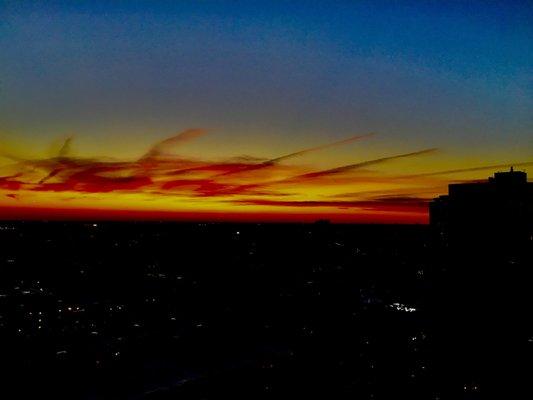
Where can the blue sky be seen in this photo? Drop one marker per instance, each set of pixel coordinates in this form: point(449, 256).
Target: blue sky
point(273, 74)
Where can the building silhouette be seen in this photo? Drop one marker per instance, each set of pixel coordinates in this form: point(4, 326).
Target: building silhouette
point(497, 212)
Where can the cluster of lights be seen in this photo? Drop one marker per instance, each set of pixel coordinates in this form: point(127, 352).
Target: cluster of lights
point(402, 307)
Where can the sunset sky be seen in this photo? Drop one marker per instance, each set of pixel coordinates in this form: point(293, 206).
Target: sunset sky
point(258, 110)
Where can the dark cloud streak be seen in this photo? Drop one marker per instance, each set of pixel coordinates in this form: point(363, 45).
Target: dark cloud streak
point(163, 148)
point(472, 169)
point(274, 161)
point(352, 167)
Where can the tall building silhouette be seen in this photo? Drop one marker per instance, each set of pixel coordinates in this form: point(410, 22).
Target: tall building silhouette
point(497, 212)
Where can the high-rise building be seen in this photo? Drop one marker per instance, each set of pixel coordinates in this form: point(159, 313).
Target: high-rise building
point(497, 212)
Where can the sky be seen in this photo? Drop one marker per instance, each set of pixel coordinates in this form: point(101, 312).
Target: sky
point(353, 111)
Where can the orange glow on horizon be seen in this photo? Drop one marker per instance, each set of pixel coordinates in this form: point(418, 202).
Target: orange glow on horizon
point(161, 185)
point(87, 214)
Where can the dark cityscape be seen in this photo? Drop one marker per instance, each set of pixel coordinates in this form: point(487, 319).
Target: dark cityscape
point(247, 200)
point(159, 310)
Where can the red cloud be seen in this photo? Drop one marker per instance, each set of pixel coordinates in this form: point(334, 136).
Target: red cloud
point(158, 173)
point(397, 205)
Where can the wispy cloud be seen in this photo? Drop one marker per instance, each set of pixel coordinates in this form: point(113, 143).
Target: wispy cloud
point(64, 151)
point(268, 183)
point(351, 167)
point(165, 147)
point(471, 169)
point(276, 160)
point(399, 204)
point(319, 148)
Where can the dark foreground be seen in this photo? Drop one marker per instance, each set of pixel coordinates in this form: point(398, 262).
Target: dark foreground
point(205, 311)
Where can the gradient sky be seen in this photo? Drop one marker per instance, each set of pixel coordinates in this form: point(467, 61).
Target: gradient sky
point(239, 84)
